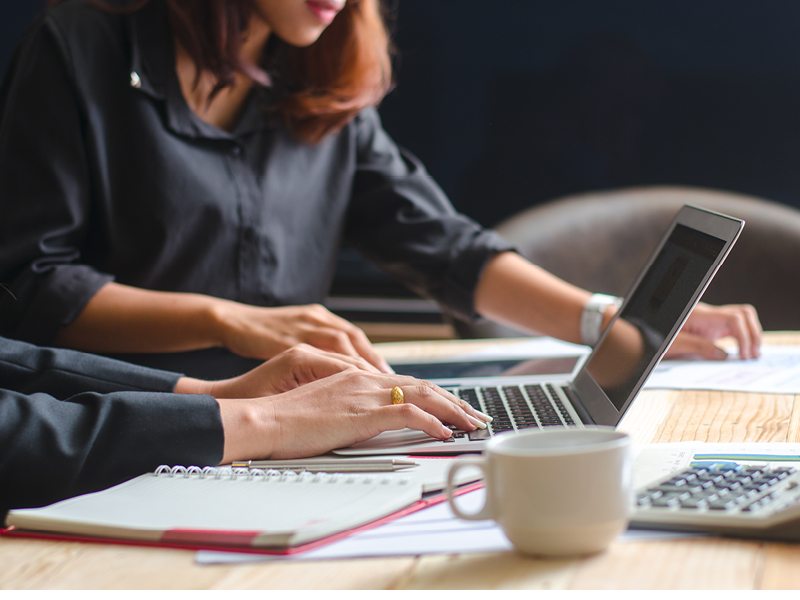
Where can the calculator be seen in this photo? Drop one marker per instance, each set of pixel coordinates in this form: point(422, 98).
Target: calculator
point(752, 501)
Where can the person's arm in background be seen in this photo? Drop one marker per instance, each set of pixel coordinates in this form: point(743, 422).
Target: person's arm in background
point(122, 319)
point(403, 221)
point(516, 292)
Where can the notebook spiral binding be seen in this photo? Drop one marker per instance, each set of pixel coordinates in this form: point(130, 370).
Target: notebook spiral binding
point(181, 472)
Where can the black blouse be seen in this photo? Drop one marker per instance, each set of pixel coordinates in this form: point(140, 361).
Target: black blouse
point(106, 173)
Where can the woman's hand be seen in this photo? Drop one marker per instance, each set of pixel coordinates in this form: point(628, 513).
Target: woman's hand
point(336, 412)
point(708, 324)
point(290, 369)
point(258, 332)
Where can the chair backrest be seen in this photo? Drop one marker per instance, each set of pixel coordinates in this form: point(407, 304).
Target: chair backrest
point(601, 240)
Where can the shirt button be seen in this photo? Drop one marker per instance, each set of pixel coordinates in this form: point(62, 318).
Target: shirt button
point(236, 150)
point(136, 81)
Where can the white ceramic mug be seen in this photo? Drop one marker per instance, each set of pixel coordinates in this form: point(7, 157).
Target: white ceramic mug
point(554, 492)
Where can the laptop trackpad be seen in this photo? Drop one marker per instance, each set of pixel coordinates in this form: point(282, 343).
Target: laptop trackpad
point(394, 438)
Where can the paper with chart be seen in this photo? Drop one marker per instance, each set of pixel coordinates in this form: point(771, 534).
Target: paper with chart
point(777, 371)
point(656, 461)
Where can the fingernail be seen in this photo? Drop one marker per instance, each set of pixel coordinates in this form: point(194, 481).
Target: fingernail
point(486, 417)
point(477, 422)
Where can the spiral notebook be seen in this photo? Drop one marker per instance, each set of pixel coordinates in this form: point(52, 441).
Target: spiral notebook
point(223, 508)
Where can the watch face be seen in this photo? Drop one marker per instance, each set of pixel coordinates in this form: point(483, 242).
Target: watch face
point(592, 316)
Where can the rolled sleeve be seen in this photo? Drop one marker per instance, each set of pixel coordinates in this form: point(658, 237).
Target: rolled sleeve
point(403, 221)
point(46, 196)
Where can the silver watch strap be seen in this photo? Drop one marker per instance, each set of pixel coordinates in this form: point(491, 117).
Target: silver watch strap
point(592, 316)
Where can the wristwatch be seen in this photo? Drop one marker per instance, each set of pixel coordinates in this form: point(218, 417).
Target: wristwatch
point(592, 316)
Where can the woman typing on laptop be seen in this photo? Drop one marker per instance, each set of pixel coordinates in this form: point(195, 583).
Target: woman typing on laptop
point(71, 423)
point(178, 177)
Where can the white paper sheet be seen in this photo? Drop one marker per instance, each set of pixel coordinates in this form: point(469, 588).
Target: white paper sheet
point(434, 530)
point(777, 371)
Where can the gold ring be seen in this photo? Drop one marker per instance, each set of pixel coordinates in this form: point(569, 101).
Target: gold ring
point(397, 395)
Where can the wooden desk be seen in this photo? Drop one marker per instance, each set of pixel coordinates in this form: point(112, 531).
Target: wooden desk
point(657, 416)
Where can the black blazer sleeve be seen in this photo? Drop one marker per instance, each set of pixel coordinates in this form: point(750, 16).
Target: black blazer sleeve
point(27, 368)
point(82, 435)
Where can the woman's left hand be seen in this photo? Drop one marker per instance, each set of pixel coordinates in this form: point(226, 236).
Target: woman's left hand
point(708, 323)
point(290, 369)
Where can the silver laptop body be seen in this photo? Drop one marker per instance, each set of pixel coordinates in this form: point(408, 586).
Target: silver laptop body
point(607, 382)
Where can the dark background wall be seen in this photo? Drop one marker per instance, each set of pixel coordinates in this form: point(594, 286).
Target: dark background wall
point(514, 102)
point(14, 17)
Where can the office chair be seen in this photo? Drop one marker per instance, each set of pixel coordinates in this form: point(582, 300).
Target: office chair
point(601, 240)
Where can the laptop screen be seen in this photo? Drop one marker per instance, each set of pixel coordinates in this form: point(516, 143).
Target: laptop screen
point(648, 317)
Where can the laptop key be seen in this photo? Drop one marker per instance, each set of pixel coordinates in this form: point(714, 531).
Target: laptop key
point(471, 397)
point(500, 429)
point(479, 434)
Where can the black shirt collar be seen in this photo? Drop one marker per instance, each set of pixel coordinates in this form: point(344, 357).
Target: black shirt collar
point(152, 72)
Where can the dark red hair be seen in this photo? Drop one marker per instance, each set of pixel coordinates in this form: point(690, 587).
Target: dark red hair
point(321, 86)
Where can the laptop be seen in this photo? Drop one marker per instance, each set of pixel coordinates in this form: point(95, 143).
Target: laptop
point(607, 382)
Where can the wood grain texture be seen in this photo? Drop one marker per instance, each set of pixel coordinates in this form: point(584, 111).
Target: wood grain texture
point(780, 570)
point(710, 563)
point(656, 416)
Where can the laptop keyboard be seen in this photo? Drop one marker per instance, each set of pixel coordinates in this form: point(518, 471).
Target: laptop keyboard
point(515, 407)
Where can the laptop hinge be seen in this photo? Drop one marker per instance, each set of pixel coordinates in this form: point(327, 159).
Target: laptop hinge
point(586, 418)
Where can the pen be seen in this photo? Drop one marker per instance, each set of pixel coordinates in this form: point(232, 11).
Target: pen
point(333, 465)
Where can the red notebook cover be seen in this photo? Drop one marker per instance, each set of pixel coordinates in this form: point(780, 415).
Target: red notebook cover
point(186, 539)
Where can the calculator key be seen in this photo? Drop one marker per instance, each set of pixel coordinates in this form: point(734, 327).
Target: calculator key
point(693, 503)
point(677, 488)
point(676, 481)
point(721, 504)
point(698, 471)
point(665, 502)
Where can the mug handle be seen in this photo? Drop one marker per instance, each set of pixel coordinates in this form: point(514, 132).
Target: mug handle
point(485, 511)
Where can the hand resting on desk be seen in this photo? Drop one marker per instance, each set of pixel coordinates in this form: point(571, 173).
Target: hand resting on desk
point(708, 323)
